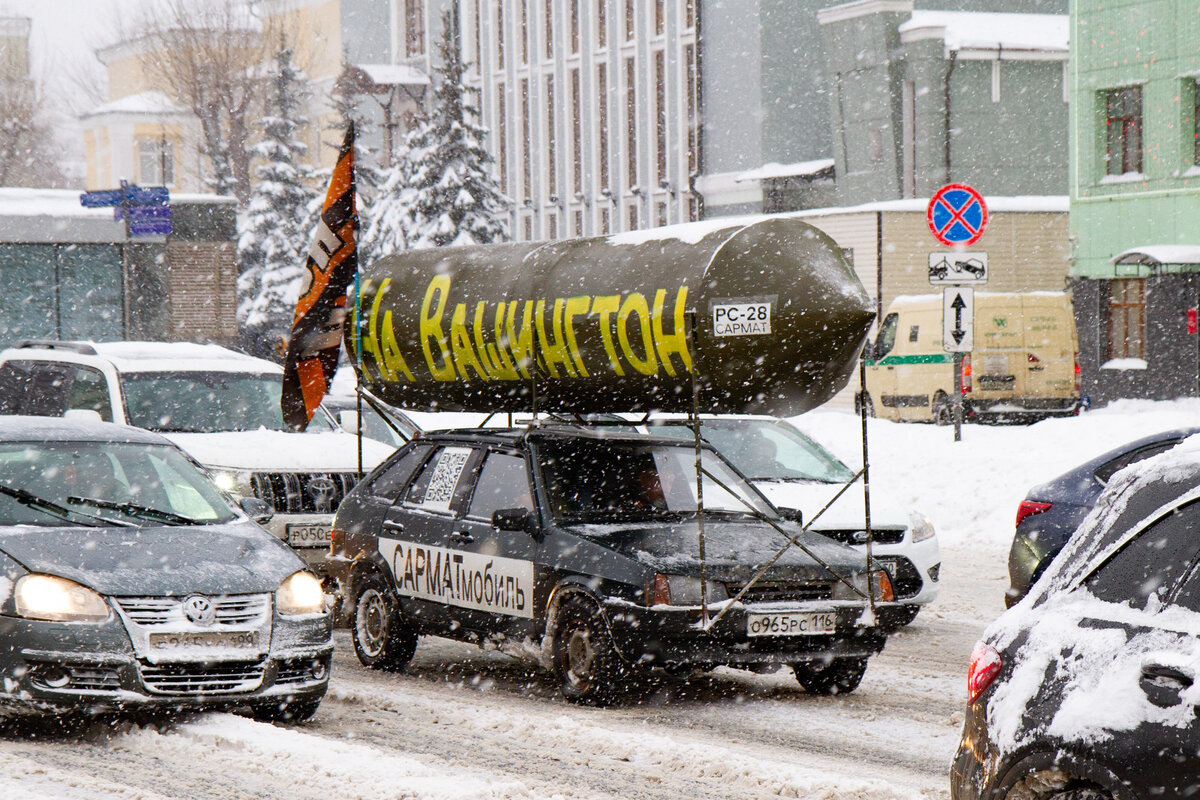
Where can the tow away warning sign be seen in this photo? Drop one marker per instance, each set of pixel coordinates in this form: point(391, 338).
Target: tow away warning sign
point(741, 319)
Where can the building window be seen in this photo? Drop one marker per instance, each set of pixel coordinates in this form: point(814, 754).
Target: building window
point(526, 149)
point(549, 30)
point(414, 28)
point(478, 17)
point(630, 20)
point(660, 211)
point(524, 31)
point(693, 208)
point(1196, 121)
point(576, 135)
point(1124, 124)
point(601, 24)
point(689, 14)
point(689, 62)
point(1126, 318)
point(552, 225)
point(660, 115)
point(528, 226)
point(633, 217)
point(551, 149)
point(631, 139)
point(502, 135)
point(602, 110)
point(660, 17)
point(578, 216)
point(156, 163)
point(574, 5)
point(500, 37)
point(908, 138)
point(605, 221)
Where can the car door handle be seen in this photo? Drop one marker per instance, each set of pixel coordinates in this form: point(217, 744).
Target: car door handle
point(1163, 685)
point(393, 526)
point(462, 536)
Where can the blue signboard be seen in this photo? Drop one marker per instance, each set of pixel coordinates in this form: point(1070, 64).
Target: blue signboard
point(101, 199)
point(129, 193)
point(149, 220)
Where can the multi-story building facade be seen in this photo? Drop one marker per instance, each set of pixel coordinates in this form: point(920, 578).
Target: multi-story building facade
point(591, 109)
point(1135, 197)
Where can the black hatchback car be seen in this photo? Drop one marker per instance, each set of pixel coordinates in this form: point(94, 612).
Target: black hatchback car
point(1089, 687)
point(1052, 511)
point(588, 541)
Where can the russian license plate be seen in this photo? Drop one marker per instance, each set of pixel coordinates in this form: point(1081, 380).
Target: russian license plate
point(308, 535)
point(219, 640)
point(791, 623)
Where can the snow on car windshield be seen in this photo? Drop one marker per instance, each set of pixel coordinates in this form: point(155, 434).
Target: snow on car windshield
point(596, 481)
point(206, 402)
point(63, 483)
point(765, 450)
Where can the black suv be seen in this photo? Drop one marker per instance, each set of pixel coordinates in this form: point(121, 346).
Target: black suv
point(588, 540)
point(1089, 687)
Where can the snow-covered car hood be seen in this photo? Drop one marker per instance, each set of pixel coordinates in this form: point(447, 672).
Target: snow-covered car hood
point(733, 551)
point(846, 514)
point(238, 558)
point(280, 451)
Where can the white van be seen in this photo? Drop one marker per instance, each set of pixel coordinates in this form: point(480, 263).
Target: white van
point(1024, 366)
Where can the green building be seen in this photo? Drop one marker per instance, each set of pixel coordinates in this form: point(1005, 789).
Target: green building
point(1135, 196)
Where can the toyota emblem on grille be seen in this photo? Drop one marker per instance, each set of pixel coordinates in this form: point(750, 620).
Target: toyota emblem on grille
point(199, 610)
point(321, 490)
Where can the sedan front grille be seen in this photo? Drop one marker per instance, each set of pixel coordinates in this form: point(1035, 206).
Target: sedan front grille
point(232, 610)
point(859, 536)
point(784, 591)
point(302, 492)
point(193, 679)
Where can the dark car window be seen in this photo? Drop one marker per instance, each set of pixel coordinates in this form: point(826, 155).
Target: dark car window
point(887, 336)
point(88, 391)
point(38, 388)
point(1105, 471)
point(503, 483)
point(388, 482)
point(1187, 594)
point(1151, 562)
point(205, 402)
point(442, 480)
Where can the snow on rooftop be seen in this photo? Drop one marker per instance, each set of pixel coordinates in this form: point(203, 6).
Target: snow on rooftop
point(974, 30)
point(395, 74)
point(150, 102)
point(1156, 254)
point(47, 202)
point(797, 170)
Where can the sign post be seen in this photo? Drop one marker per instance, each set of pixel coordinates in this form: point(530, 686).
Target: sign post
point(146, 211)
point(957, 217)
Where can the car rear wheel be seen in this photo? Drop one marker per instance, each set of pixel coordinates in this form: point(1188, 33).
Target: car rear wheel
point(586, 660)
point(838, 676)
point(382, 639)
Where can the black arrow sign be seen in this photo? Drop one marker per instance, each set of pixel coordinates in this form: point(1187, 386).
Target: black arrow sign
point(958, 305)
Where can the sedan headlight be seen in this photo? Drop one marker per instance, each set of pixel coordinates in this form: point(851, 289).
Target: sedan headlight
point(300, 594)
point(55, 599)
point(681, 590)
point(882, 586)
point(234, 482)
point(922, 528)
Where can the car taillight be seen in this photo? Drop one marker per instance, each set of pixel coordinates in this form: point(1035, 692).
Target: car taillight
point(1032, 359)
point(1029, 508)
point(1078, 378)
point(660, 592)
point(985, 666)
point(966, 373)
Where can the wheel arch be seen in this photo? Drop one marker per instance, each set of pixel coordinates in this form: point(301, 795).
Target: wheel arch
point(1076, 765)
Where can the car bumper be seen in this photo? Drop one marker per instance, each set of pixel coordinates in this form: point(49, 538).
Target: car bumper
point(668, 637)
point(52, 668)
point(915, 568)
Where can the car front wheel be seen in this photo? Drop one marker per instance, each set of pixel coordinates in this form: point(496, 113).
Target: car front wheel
point(382, 639)
point(587, 663)
point(839, 676)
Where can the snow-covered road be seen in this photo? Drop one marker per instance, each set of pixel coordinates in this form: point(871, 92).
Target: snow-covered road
point(463, 723)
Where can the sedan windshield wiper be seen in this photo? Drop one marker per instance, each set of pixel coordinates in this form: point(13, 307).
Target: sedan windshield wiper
point(135, 510)
point(31, 500)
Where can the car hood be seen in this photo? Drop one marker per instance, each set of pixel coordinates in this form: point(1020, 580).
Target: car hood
point(281, 451)
point(238, 558)
point(733, 551)
point(845, 514)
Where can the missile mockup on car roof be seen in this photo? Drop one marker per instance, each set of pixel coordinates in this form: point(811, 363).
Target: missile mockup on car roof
point(768, 317)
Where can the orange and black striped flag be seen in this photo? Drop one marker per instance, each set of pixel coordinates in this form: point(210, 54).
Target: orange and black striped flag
point(332, 262)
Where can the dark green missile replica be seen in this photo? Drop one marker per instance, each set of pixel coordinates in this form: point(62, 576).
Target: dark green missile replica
point(766, 317)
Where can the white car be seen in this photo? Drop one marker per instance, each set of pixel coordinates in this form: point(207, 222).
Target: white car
point(219, 406)
point(794, 472)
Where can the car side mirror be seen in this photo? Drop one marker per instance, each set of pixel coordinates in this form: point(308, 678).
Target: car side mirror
point(792, 515)
point(257, 510)
point(514, 519)
point(348, 421)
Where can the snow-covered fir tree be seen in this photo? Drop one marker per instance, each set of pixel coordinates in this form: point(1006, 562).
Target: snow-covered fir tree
point(273, 231)
point(449, 194)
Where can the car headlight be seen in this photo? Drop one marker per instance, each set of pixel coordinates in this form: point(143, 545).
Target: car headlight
point(922, 528)
point(681, 590)
point(882, 586)
point(301, 593)
point(234, 482)
point(55, 599)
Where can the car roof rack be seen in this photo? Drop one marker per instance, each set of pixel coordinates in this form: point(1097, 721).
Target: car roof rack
point(83, 348)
